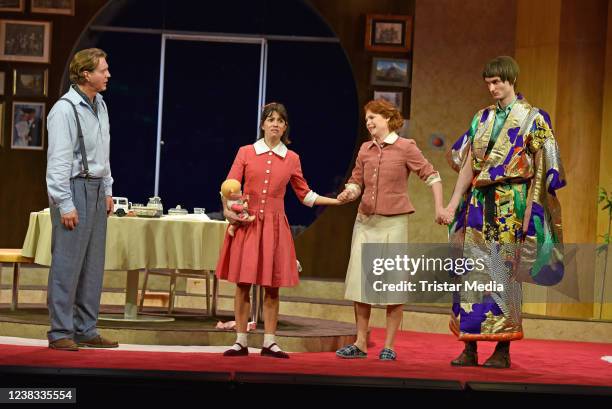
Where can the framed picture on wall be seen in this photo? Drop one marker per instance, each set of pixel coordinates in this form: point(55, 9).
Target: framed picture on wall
point(391, 72)
point(1, 123)
point(28, 130)
point(30, 82)
point(28, 41)
point(53, 7)
point(394, 97)
point(388, 33)
point(12, 5)
point(2, 78)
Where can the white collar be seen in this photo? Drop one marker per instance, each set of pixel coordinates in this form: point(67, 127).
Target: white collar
point(261, 147)
point(389, 139)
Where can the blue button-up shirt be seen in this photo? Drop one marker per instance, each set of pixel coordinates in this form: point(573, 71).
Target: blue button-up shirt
point(64, 155)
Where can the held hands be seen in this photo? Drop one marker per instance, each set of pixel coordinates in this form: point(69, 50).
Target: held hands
point(445, 215)
point(347, 195)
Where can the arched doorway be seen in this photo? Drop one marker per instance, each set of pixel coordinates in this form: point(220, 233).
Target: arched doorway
point(212, 90)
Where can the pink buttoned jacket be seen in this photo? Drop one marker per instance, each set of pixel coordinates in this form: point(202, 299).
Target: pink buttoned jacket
point(381, 173)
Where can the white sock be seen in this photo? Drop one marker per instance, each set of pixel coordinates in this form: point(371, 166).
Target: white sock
point(269, 339)
point(241, 338)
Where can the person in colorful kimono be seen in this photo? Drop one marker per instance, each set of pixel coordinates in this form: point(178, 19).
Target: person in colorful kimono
point(505, 211)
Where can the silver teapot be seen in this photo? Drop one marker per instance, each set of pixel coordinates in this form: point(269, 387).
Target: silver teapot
point(156, 203)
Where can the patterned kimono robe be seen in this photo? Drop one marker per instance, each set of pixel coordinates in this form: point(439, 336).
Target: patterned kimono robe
point(510, 217)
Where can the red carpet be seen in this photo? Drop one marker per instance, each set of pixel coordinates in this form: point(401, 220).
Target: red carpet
point(420, 356)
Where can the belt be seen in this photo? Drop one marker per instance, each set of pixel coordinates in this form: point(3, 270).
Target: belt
point(88, 177)
point(490, 209)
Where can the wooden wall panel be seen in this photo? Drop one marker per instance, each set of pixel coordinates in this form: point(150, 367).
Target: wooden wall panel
point(579, 108)
point(562, 71)
point(537, 53)
point(605, 169)
point(579, 121)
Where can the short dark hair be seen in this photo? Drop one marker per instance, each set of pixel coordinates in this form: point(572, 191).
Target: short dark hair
point(504, 67)
point(280, 109)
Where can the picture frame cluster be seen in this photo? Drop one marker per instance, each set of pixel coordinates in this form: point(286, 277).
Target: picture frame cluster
point(25, 52)
point(390, 76)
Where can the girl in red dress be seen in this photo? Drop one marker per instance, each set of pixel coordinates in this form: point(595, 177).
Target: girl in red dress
point(262, 251)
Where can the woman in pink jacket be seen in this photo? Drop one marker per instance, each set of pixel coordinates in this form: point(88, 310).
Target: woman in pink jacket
point(380, 176)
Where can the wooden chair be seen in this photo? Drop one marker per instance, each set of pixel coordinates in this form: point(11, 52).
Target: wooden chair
point(211, 305)
point(14, 256)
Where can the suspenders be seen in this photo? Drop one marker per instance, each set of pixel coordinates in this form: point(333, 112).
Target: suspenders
point(81, 140)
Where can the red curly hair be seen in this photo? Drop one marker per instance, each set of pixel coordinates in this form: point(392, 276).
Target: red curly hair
point(387, 110)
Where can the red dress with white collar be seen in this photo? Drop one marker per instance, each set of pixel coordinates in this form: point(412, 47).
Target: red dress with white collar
point(262, 252)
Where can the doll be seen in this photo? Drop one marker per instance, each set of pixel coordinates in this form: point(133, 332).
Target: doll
point(236, 202)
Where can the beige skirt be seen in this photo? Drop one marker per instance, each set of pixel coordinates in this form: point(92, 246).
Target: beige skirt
point(371, 229)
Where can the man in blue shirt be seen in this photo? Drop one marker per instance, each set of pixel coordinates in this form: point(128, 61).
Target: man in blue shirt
point(79, 185)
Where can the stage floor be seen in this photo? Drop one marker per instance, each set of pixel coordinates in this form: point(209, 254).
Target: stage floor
point(296, 334)
point(538, 366)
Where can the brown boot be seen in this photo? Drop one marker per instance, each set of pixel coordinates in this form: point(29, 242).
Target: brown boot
point(469, 356)
point(501, 357)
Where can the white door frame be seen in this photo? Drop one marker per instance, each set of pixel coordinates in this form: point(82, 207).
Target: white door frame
point(263, 68)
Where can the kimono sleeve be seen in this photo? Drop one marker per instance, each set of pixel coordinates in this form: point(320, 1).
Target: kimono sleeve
point(458, 153)
point(541, 138)
point(542, 253)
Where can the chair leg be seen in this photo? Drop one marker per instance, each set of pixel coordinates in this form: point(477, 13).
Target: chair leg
point(172, 292)
point(208, 293)
point(143, 292)
point(15, 297)
point(260, 305)
point(215, 294)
